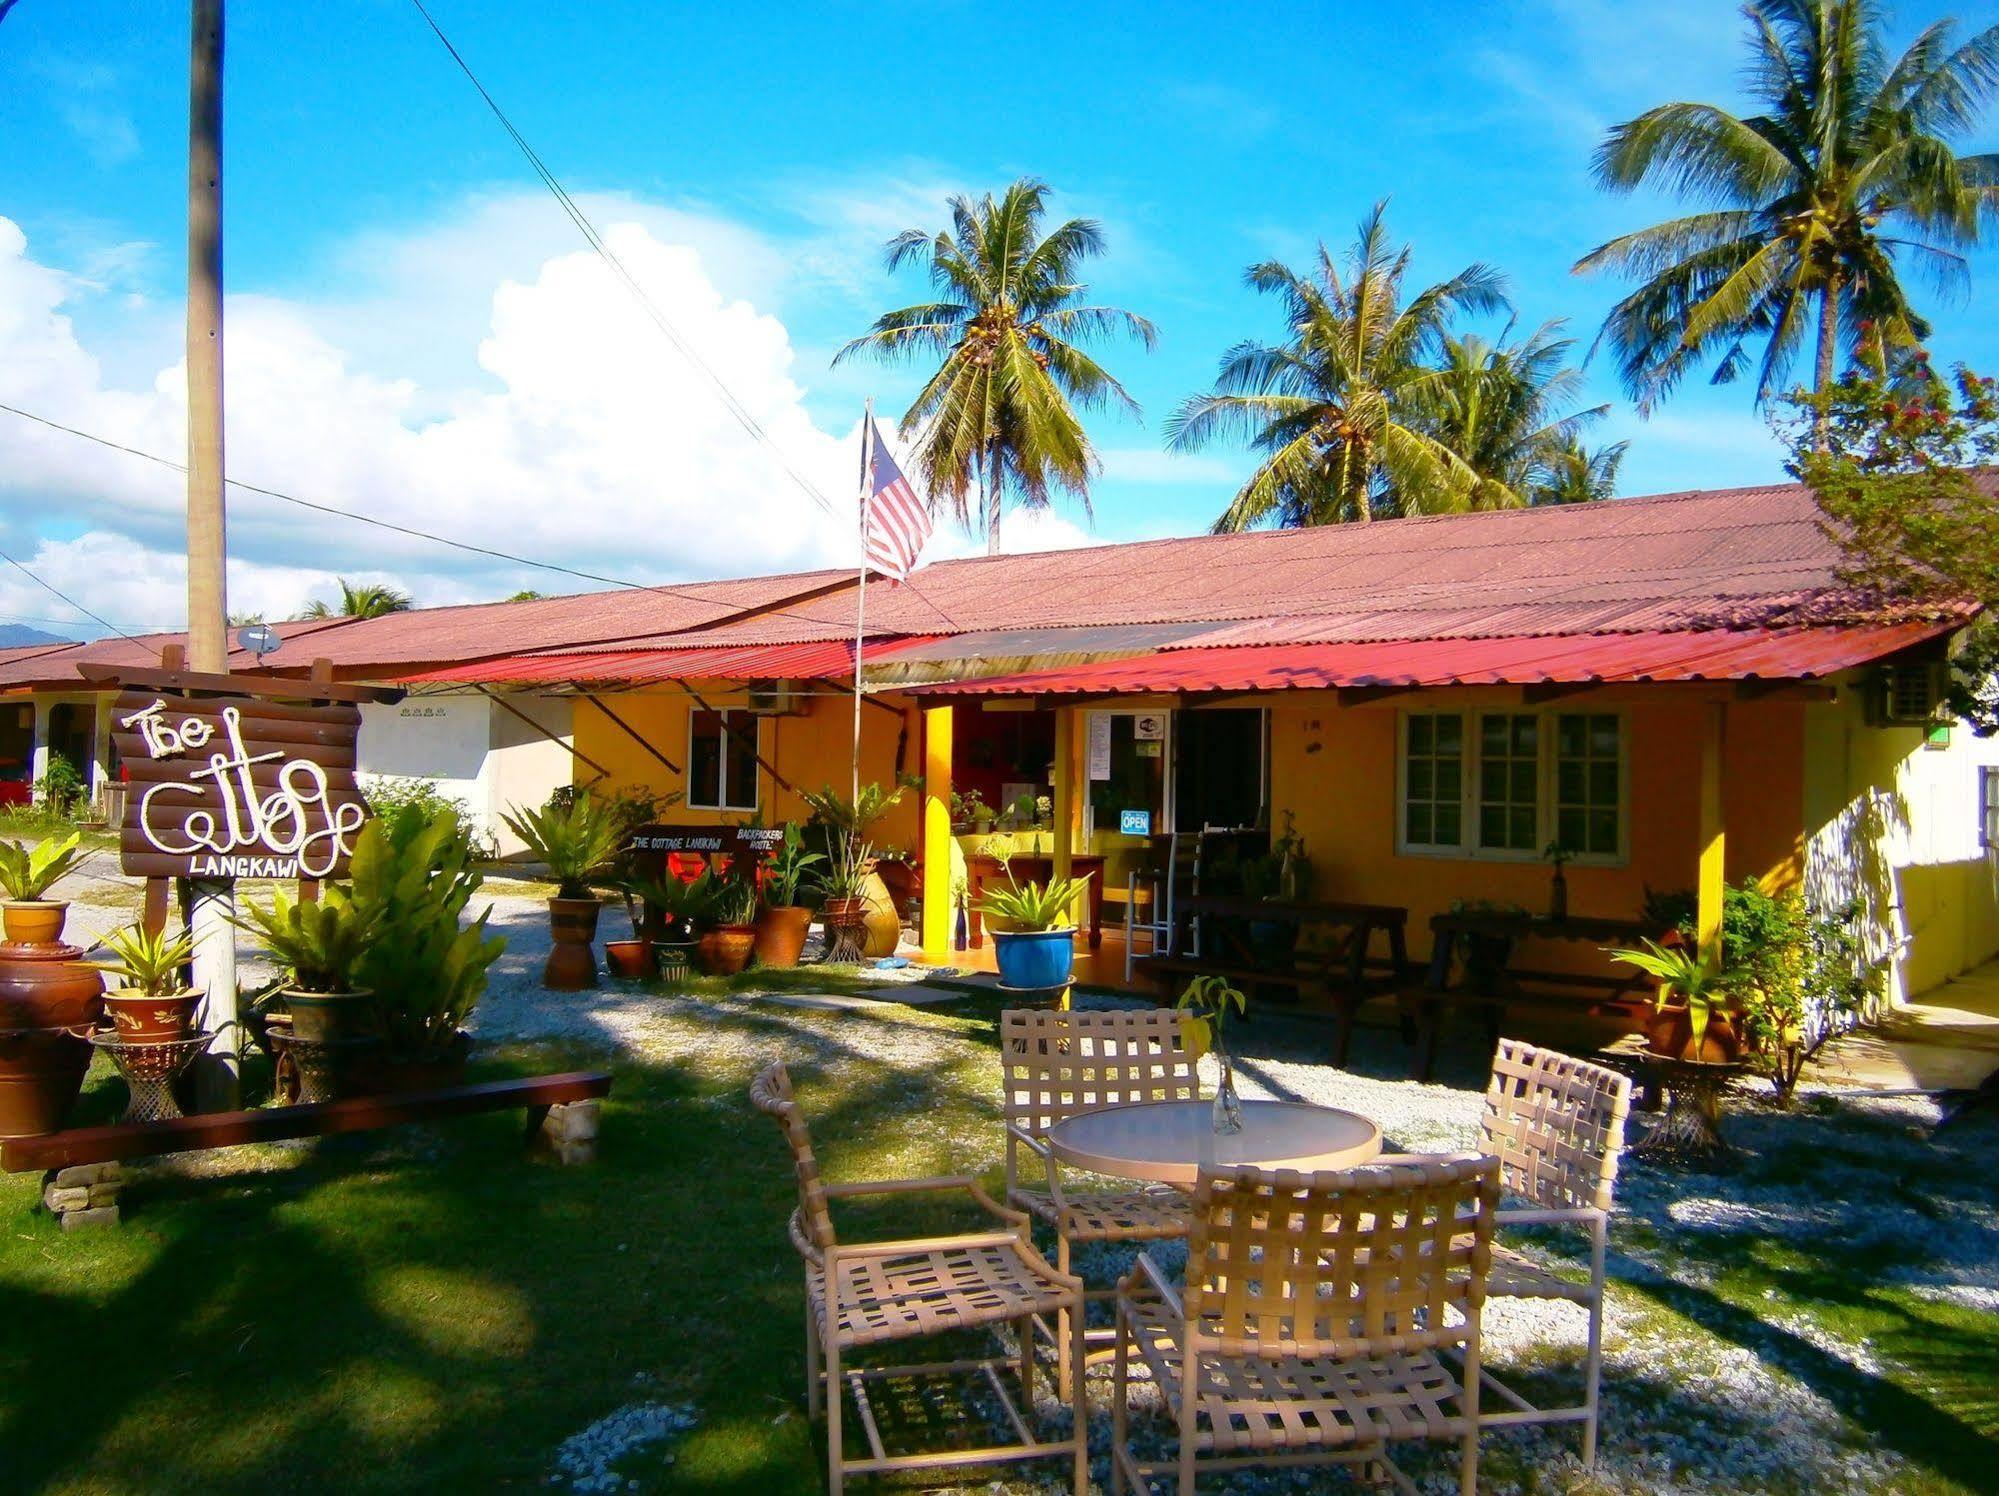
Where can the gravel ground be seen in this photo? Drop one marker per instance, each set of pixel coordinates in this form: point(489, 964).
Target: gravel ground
point(1687, 1409)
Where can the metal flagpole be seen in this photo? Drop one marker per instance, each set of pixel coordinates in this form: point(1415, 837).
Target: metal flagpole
point(861, 597)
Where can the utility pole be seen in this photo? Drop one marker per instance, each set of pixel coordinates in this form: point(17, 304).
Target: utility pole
point(211, 902)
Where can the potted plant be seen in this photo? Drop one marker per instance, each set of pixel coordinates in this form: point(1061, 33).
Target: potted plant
point(850, 822)
point(426, 964)
point(843, 903)
point(1204, 1015)
point(48, 997)
point(1557, 854)
point(1033, 930)
point(576, 842)
point(674, 906)
point(631, 958)
point(783, 922)
point(1691, 1011)
point(966, 809)
point(724, 948)
point(26, 875)
point(151, 1005)
point(319, 945)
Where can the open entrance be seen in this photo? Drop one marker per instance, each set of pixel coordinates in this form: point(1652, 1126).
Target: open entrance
point(1220, 773)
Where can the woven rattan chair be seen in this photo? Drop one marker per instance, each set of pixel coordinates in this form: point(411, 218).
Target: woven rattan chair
point(859, 1295)
point(1056, 1064)
point(1556, 1125)
point(1314, 1318)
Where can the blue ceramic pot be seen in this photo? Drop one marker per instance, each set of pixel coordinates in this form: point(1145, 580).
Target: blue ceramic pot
point(1035, 958)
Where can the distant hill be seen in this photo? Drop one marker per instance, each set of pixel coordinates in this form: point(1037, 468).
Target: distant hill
point(14, 635)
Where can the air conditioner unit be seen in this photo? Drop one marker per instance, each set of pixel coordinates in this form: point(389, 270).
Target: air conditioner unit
point(1908, 695)
point(779, 698)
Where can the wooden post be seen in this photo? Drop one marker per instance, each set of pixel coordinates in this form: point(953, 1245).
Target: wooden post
point(212, 902)
point(938, 912)
point(1065, 791)
point(1713, 833)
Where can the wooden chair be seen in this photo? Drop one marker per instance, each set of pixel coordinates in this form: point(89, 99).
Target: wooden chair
point(864, 1294)
point(1056, 1064)
point(1312, 1322)
point(1556, 1124)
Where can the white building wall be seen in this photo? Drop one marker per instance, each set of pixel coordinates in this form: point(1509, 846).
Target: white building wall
point(474, 750)
point(1894, 821)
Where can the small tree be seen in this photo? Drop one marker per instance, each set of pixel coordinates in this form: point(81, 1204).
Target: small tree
point(1891, 451)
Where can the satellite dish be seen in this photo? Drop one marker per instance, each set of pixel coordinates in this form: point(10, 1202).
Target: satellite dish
point(259, 638)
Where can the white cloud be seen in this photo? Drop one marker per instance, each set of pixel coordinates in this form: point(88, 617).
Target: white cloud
point(592, 443)
point(1157, 465)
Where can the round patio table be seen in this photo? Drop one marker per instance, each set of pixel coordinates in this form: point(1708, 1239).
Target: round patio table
point(1169, 1142)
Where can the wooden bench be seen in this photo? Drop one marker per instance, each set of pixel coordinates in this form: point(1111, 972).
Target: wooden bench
point(81, 1163)
point(1346, 974)
point(1492, 988)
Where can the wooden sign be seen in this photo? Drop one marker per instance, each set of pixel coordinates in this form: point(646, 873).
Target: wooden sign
point(237, 787)
point(651, 846)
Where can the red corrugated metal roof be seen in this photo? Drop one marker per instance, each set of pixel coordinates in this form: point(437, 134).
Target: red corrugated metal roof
point(747, 662)
point(1690, 655)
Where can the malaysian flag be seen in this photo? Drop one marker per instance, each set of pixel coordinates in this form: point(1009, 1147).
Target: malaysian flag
point(894, 521)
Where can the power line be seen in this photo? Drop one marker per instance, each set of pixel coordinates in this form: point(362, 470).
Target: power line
point(65, 598)
point(589, 232)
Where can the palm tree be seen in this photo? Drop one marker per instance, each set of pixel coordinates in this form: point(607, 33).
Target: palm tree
point(360, 600)
point(999, 416)
point(1810, 202)
point(1504, 408)
point(1575, 474)
point(1337, 407)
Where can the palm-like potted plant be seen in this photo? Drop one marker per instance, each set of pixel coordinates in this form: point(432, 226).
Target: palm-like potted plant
point(782, 922)
point(850, 822)
point(843, 901)
point(427, 964)
point(1034, 930)
point(26, 875)
point(724, 947)
point(633, 957)
point(320, 946)
point(150, 1004)
point(577, 842)
point(1692, 1011)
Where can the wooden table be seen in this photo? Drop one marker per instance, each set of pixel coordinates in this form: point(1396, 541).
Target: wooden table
point(1486, 940)
point(1035, 867)
point(1169, 1142)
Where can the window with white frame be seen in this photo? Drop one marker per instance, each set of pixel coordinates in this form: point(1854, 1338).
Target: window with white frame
point(1506, 783)
point(722, 760)
point(1988, 806)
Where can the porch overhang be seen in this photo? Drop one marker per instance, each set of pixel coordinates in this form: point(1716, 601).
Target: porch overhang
point(812, 660)
point(1721, 655)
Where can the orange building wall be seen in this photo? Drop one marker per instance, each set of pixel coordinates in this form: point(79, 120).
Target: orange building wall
point(1335, 769)
point(811, 751)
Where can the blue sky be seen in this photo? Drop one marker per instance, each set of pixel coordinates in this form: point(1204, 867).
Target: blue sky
point(374, 210)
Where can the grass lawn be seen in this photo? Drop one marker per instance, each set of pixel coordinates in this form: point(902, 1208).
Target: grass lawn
point(426, 1310)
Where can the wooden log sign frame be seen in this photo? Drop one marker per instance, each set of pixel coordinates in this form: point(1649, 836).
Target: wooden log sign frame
point(236, 776)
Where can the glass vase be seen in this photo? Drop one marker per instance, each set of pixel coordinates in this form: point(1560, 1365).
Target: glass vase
point(1227, 1111)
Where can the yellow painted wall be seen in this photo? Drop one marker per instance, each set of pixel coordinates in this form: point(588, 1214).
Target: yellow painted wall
point(1335, 768)
point(1895, 824)
point(811, 751)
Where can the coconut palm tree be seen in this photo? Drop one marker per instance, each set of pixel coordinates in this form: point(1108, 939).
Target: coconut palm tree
point(1337, 407)
point(360, 600)
point(1810, 204)
point(999, 414)
point(1575, 474)
point(1505, 408)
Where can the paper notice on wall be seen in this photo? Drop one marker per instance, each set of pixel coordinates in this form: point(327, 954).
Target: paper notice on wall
point(1100, 745)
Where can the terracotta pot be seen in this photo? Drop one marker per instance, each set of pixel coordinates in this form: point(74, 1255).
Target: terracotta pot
point(1669, 1031)
point(781, 932)
point(33, 921)
point(724, 951)
point(883, 923)
point(48, 986)
point(630, 959)
point(41, 1072)
point(145, 1018)
point(330, 1017)
point(572, 964)
point(901, 881)
point(389, 1074)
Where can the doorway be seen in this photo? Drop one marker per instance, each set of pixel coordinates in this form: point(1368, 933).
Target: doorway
point(1221, 774)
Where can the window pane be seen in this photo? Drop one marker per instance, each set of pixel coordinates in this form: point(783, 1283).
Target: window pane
point(1421, 733)
point(1569, 783)
point(741, 759)
point(1603, 782)
point(1418, 825)
point(1509, 781)
point(704, 760)
point(1492, 734)
point(1569, 828)
point(1526, 735)
point(1603, 831)
point(1588, 782)
point(1569, 735)
point(1450, 825)
point(1603, 735)
point(1450, 780)
point(1422, 778)
point(1492, 826)
point(1450, 735)
point(1520, 830)
point(1432, 780)
point(1525, 772)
